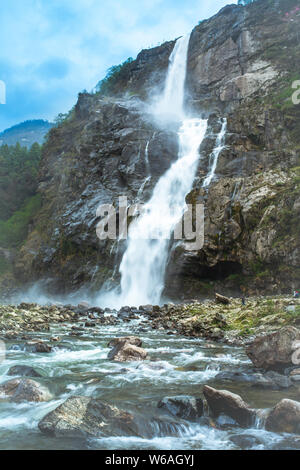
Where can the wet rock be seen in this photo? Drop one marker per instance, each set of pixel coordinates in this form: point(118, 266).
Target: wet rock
point(284, 417)
point(274, 351)
point(230, 404)
point(20, 390)
point(280, 381)
point(23, 371)
point(84, 416)
point(184, 407)
point(295, 375)
point(124, 352)
point(245, 441)
point(87, 417)
point(222, 300)
point(146, 308)
point(126, 339)
point(42, 348)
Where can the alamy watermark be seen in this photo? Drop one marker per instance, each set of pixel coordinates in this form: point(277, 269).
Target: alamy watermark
point(2, 351)
point(114, 223)
point(2, 92)
point(296, 94)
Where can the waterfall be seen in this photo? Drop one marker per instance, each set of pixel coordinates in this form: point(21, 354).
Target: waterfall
point(213, 160)
point(145, 259)
point(144, 262)
point(170, 105)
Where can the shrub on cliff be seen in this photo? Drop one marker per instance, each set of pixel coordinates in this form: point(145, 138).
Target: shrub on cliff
point(115, 76)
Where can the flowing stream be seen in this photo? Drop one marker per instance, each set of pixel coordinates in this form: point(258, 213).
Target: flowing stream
point(178, 366)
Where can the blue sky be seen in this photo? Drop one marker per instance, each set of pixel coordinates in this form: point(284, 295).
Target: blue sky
point(53, 49)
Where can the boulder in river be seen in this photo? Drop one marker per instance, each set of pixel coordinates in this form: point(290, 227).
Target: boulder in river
point(23, 371)
point(81, 417)
point(20, 390)
point(230, 404)
point(284, 417)
point(126, 339)
point(85, 416)
point(124, 352)
point(274, 351)
point(185, 407)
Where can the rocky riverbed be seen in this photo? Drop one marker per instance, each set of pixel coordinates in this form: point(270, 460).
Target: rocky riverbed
point(151, 377)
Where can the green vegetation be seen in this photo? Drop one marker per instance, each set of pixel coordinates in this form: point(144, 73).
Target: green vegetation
point(114, 77)
point(18, 199)
point(244, 320)
point(14, 230)
point(18, 177)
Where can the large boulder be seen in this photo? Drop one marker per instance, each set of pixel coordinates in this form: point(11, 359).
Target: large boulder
point(185, 407)
point(274, 351)
point(81, 417)
point(230, 404)
point(284, 417)
point(20, 390)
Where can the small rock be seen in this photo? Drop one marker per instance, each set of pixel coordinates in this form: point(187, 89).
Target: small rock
point(185, 407)
point(245, 441)
point(43, 348)
point(222, 300)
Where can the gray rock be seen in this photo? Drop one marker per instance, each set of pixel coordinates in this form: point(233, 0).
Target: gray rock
point(81, 417)
point(20, 390)
point(230, 404)
point(23, 371)
point(284, 417)
point(124, 352)
point(245, 441)
point(274, 351)
point(185, 407)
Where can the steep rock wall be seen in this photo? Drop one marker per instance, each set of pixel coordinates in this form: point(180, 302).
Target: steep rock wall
point(241, 65)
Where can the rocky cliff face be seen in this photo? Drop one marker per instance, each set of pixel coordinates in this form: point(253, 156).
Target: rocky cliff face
point(241, 65)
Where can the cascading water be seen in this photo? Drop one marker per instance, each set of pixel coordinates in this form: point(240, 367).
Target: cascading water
point(170, 104)
point(144, 262)
point(220, 144)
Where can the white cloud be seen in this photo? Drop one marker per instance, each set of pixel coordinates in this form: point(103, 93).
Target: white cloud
point(90, 35)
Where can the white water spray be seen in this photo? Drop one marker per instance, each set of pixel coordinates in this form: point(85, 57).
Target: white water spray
point(144, 262)
point(220, 144)
point(170, 104)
